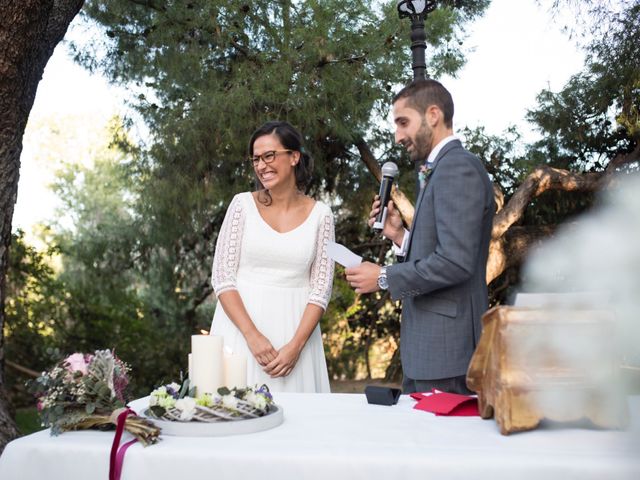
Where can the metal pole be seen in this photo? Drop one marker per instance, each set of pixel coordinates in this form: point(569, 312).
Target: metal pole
point(418, 47)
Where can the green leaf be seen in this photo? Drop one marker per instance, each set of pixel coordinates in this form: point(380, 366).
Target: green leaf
point(184, 390)
point(157, 410)
point(104, 392)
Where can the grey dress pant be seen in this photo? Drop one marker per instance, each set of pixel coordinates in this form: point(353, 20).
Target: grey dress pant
point(450, 385)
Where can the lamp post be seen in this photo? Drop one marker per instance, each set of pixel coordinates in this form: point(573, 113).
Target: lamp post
point(417, 11)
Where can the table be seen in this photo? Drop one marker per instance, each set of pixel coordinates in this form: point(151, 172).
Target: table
point(340, 436)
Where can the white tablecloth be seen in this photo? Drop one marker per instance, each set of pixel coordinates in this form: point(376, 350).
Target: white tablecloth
point(340, 436)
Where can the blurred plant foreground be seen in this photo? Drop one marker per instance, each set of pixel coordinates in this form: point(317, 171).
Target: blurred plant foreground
point(126, 261)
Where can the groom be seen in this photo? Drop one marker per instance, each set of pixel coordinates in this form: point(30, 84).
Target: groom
point(441, 275)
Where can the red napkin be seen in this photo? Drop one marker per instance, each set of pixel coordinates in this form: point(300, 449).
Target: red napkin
point(450, 404)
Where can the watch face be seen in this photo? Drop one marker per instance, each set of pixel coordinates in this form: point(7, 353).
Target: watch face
point(382, 282)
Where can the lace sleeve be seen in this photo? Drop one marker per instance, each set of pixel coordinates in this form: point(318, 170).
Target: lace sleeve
point(226, 257)
point(322, 268)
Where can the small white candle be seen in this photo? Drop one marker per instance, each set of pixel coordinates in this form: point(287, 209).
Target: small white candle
point(206, 374)
point(235, 370)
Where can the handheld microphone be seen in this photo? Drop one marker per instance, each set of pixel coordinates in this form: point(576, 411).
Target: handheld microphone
point(389, 172)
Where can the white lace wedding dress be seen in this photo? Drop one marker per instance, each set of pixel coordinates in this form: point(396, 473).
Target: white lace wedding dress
point(276, 275)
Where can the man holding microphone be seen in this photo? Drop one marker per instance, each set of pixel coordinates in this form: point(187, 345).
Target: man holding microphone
point(441, 274)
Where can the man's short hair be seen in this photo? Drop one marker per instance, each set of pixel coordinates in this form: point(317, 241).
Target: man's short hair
point(421, 94)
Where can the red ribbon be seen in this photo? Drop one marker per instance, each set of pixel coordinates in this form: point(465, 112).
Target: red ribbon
point(117, 451)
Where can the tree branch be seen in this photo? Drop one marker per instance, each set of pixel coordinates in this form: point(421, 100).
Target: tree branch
point(21, 369)
point(511, 249)
point(623, 159)
point(327, 60)
point(543, 178)
point(498, 196)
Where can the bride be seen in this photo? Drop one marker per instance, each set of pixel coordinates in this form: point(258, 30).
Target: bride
point(271, 272)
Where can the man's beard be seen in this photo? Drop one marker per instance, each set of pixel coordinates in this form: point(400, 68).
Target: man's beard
point(422, 143)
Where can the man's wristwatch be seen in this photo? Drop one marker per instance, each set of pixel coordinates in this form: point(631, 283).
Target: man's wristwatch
point(382, 279)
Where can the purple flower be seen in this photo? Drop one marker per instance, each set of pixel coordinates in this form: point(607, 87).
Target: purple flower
point(172, 392)
point(264, 390)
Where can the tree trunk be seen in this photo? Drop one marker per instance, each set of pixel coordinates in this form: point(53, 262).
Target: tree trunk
point(29, 32)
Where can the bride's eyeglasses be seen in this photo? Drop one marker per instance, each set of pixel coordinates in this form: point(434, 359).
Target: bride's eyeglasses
point(267, 157)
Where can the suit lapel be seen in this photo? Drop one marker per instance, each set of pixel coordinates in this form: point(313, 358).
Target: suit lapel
point(415, 216)
point(443, 152)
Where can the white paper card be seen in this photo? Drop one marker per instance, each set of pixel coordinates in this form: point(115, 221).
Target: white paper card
point(343, 255)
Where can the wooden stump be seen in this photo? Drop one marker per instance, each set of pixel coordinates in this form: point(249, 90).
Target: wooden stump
point(535, 364)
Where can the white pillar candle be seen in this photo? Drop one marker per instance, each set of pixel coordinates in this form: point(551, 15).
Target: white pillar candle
point(206, 362)
point(235, 370)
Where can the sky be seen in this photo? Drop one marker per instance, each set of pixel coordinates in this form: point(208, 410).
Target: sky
point(517, 50)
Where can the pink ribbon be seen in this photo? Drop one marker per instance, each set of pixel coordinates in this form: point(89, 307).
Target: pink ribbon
point(117, 451)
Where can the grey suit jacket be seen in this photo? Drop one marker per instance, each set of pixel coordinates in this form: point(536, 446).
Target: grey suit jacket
point(441, 281)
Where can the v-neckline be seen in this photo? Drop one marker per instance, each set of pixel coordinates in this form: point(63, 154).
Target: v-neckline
point(255, 205)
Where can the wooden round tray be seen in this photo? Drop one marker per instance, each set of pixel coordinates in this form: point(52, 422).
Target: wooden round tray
point(214, 429)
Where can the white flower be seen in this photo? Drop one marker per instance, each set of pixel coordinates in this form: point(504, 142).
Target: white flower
point(187, 407)
point(256, 400)
point(259, 401)
point(174, 386)
point(229, 401)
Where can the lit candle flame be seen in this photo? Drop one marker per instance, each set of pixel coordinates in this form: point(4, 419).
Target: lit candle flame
point(204, 332)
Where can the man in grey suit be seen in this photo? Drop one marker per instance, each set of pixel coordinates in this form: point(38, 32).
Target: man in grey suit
point(441, 274)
